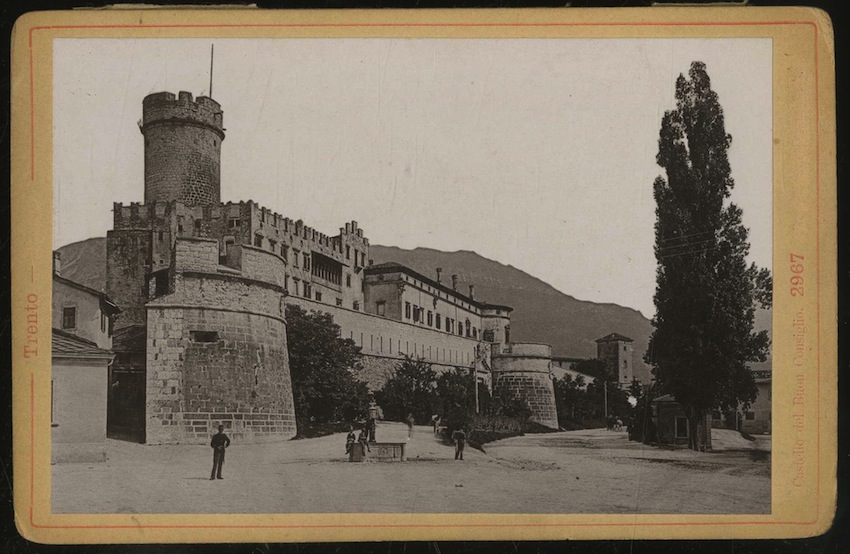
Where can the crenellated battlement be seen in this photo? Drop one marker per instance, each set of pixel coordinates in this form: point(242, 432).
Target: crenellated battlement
point(165, 107)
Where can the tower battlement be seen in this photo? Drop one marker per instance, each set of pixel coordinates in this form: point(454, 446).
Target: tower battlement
point(162, 107)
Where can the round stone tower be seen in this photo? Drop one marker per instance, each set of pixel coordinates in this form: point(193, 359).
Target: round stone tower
point(182, 148)
point(522, 370)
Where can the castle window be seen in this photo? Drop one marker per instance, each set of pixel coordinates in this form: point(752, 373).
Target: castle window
point(308, 290)
point(357, 308)
point(284, 252)
point(339, 301)
point(233, 223)
point(69, 317)
point(347, 280)
point(347, 252)
point(272, 245)
point(295, 254)
point(624, 348)
point(430, 318)
point(203, 336)
point(258, 241)
point(306, 261)
point(407, 310)
point(295, 282)
point(474, 333)
point(749, 416)
point(416, 310)
point(438, 321)
point(490, 336)
point(318, 296)
point(159, 236)
point(381, 308)
point(286, 283)
point(104, 322)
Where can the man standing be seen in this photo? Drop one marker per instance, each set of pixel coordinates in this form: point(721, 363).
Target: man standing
point(219, 442)
point(459, 437)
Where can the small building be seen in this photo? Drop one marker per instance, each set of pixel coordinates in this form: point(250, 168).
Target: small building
point(78, 391)
point(82, 342)
point(671, 423)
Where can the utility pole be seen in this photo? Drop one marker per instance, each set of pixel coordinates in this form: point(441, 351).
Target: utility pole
point(605, 395)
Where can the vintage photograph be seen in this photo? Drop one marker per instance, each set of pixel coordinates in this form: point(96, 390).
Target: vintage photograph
point(412, 275)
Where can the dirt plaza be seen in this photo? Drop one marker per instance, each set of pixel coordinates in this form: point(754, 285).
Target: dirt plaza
point(588, 471)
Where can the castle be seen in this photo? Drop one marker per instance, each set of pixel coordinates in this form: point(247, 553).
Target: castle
point(202, 286)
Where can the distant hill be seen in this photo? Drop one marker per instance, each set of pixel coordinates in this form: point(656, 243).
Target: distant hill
point(541, 312)
point(84, 262)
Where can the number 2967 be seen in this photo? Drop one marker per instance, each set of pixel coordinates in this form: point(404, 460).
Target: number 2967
point(797, 268)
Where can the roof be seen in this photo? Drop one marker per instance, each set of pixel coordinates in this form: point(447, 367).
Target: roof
point(615, 337)
point(93, 292)
point(66, 344)
point(392, 267)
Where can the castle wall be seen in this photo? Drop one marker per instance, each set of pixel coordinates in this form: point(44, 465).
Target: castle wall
point(216, 352)
point(127, 263)
point(182, 148)
point(522, 371)
point(384, 342)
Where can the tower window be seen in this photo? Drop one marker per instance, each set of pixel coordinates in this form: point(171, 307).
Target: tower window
point(381, 308)
point(347, 280)
point(407, 310)
point(203, 336)
point(258, 241)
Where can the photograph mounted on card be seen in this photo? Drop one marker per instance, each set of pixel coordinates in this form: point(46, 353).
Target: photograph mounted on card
point(461, 274)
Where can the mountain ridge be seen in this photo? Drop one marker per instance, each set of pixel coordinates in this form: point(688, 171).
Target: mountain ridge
point(541, 313)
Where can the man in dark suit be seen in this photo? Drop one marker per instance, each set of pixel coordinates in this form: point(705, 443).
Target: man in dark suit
point(219, 443)
point(459, 437)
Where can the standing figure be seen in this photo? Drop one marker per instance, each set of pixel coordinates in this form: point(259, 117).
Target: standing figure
point(219, 443)
point(361, 438)
point(371, 424)
point(350, 440)
point(459, 438)
point(435, 420)
point(410, 422)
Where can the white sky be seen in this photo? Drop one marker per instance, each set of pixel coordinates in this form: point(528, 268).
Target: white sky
point(538, 153)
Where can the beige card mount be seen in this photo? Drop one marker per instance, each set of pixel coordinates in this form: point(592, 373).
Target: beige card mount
point(469, 197)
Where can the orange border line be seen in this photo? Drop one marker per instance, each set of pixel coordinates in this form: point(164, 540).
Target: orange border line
point(457, 525)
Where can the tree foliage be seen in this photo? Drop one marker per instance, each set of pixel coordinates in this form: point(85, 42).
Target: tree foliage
point(323, 368)
point(411, 389)
point(706, 293)
point(456, 394)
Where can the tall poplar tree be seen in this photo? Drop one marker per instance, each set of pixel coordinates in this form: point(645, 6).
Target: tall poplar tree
point(706, 293)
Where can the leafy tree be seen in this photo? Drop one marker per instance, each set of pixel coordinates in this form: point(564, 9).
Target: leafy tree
point(706, 294)
point(323, 368)
point(411, 389)
point(456, 393)
point(568, 392)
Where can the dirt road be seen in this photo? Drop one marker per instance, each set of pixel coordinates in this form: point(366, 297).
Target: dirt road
point(591, 471)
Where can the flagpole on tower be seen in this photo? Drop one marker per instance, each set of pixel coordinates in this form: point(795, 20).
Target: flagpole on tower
point(212, 54)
